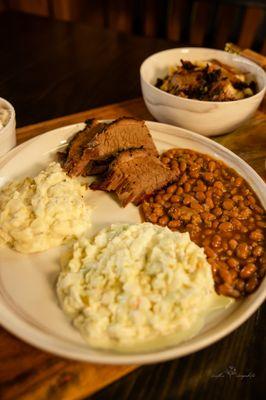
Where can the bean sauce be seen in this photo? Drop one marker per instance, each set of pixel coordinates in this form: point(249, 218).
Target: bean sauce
point(221, 213)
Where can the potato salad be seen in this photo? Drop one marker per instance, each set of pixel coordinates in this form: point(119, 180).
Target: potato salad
point(135, 284)
point(43, 212)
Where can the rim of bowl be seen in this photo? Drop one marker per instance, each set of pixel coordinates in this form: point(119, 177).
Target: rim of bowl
point(12, 115)
point(246, 60)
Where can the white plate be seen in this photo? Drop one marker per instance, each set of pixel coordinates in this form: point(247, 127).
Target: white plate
point(28, 304)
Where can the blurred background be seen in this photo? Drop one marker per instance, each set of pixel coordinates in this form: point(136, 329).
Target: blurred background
point(60, 57)
point(210, 23)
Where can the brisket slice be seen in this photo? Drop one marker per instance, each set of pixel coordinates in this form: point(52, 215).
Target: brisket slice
point(133, 175)
point(105, 141)
point(78, 142)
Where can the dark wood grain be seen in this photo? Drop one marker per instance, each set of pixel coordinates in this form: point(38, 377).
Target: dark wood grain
point(49, 69)
point(195, 22)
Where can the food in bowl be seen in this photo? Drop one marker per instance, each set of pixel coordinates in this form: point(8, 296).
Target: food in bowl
point(208, 118)
point(135, 285)
point(208, 81)
point(43, 212)
point(4, 117)
point(220, 211)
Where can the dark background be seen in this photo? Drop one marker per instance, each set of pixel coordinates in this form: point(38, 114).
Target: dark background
point(193, 22)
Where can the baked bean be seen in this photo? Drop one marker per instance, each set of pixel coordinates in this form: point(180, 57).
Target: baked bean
point(165, 160)
point(175, 224)
point(237, 225)
point(183, 166)
point(185, 215)
point(242, 250)
point(261, 224)
point(238, 181)
point(200, 187)
point(233, 244)
point(194, 167)
point(187, 187)
point(153, 218)
point(233, 262)
point(174, 212)
point(257, 251)
point(200, 196)
point(218, 185)
point(226, 226)
point(228, 204)
point(163, 220)
point(208, 176)
point(209, 252)
point(237, 198)
point(206, 242)
point(196, 219)
point(227, 290)
point(166, 196)
point(196, 206)
point(225, 275)
point(216, 241)
point(256, 235)
point(183, 179)
point(175, 198)
point(245, 213)
point(209, 203)
point(217, 211)
point(251, 284)
point(215, 224)
point(247, 271)
point(250, 200)
point(212, 166)
point(244, 229)
point(159, 199)
point(171, 188)
point(158, 211)
point(234, 213)
point(175, 167)
point(240, 285)
point(207, 216)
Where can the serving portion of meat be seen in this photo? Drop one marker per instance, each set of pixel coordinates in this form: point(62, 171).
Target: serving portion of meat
point(90, 151)
point(133, 175)
point(78, 143)
point(208, 81)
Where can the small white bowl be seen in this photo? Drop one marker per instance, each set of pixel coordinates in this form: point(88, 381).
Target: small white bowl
point(206, 117)
point(8, 132)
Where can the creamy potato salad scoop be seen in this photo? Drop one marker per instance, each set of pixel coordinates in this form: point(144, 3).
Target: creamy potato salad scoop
point(133, 285)
point(43, 212)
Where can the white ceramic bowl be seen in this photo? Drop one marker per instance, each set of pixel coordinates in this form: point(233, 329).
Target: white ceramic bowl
point(8, 132)
point(206, 117)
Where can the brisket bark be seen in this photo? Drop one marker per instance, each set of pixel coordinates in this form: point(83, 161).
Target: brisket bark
point(133, 175)
point(90, 149)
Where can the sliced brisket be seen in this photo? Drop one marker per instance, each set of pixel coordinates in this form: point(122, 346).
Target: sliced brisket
point(133, 175)
point(103, 141)
point(78, 143)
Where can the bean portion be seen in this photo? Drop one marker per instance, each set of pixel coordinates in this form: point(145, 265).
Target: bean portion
point(221, 213)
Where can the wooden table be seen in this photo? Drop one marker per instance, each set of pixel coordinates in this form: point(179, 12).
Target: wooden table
point(229, 369)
